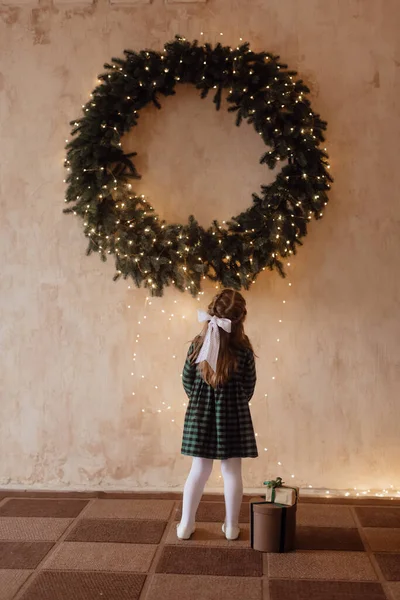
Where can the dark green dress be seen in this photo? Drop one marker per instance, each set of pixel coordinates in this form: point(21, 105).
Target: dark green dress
point(218, 422)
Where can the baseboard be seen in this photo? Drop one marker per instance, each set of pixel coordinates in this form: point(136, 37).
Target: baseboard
point(306, 493)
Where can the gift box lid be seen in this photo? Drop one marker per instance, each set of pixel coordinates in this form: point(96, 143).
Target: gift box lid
point(268, 508)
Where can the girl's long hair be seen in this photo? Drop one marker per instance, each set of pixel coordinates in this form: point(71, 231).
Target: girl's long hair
point(229, 304)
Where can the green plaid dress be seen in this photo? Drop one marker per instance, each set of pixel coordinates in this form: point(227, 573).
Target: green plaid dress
point(218, 422)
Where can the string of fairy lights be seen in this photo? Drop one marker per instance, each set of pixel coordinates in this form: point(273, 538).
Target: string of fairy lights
point(176, 413)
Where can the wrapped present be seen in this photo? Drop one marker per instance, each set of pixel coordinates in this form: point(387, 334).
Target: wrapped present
point(272, 526)
point(282, 494)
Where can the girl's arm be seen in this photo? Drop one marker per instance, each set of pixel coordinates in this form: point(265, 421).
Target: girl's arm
point(189, 373)
point(249, 376)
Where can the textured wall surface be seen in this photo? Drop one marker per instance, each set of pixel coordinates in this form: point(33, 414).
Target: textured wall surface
point(72, 397)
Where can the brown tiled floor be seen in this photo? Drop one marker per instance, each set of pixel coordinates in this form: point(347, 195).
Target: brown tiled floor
point(121, 546)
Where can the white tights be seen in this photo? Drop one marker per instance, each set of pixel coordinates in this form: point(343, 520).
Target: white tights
point(233, 489)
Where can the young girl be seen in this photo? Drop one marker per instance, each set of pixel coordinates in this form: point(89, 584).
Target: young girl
point(219, 378)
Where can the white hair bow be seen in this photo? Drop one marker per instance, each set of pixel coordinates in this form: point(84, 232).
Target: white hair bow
point(210, 348)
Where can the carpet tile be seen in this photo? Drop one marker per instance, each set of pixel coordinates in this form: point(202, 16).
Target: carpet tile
point(11, 581)
point(373, 516)
point(319, 515)
point(324, 590)
point(28, 529)
point(390, 565)
point(383, 539)
point(394, 590)
point(210, 561)
point(55, 494)
point(23, 555)
point(350, 566)
point(387, 502)
point(328, 538)
point(204, 587)
point(140, 496)
point(160, 510)
point(87, 556)
point(214, 512)
point(20, 507)
point(123, 531)
point(69, 585)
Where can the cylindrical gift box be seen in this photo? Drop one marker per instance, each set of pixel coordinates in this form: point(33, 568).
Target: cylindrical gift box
point(273, 527)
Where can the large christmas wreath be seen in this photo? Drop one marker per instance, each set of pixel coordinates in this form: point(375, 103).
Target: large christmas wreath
point(259, 90)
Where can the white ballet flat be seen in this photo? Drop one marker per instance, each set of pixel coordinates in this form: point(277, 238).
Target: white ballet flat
point(184, 534)
point(231, 533)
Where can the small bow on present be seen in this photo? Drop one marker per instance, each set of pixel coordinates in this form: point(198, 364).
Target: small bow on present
point(273, 484)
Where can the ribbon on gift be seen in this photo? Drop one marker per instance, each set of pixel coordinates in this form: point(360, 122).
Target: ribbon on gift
point(274, 483)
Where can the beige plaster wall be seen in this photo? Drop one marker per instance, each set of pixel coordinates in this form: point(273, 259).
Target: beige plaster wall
point(68, 416)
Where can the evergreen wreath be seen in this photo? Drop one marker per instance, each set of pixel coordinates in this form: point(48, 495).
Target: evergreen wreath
point(261, 91)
